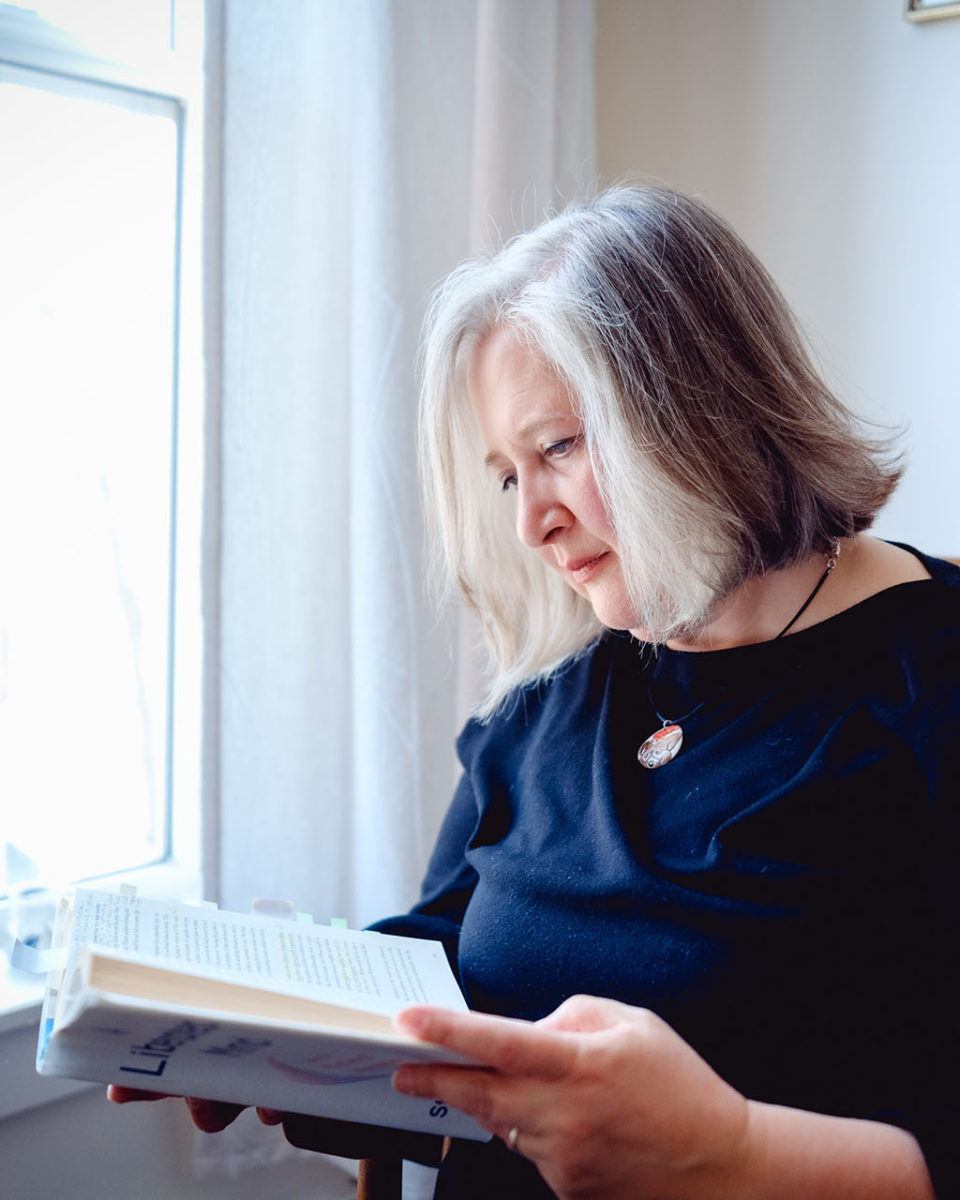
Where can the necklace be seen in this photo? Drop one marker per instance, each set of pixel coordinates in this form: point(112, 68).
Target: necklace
point(663, 746)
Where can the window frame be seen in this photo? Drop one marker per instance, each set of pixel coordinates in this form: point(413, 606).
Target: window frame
point(173, 76)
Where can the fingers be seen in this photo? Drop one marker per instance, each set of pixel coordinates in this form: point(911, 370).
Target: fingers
point(510, 1046)
point(212, 1116)
point(124, 1095)
point(270, 1116)
point(494, 1101)
point(465, 1088)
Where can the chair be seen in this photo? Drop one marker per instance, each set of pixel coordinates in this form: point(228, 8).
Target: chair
point(380, 1178)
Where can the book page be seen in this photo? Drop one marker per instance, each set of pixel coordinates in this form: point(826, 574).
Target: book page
point(370, 971)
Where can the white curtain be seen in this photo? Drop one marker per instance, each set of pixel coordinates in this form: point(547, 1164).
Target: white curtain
point(367, 147)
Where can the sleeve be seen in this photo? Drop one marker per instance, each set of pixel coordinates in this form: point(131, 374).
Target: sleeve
point(449, 880)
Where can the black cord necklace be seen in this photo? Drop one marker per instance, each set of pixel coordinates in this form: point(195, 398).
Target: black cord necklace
point(663, 746)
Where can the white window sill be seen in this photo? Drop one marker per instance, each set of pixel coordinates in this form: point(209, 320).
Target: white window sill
point(20, 997)
point(22, 1087)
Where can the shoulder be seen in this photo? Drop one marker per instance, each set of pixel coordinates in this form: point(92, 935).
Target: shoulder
point(914, 620)
point(928, 628)
point(945, 571)
point(911, 639)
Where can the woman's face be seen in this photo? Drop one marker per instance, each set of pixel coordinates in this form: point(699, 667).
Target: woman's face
point(534, 446)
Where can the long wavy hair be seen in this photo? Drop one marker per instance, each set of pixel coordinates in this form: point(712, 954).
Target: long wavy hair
point(718, 450)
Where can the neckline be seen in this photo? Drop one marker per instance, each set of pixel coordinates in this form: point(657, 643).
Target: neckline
point(863, 626)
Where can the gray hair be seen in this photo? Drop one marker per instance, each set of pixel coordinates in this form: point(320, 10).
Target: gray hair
point(719, 452)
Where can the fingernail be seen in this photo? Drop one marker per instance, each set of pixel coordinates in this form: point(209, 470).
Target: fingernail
point(412, 1020)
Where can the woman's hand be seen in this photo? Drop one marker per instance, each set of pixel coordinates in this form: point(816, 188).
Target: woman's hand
point(345, 1139)
point(210, 1116)
point(606, 1099)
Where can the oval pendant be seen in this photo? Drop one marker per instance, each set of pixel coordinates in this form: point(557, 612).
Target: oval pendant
point(661, 747)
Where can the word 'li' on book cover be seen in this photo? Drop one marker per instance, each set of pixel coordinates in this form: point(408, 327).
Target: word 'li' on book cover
point(251, 1009)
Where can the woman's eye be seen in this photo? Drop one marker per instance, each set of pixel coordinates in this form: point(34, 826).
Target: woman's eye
point(558, 449)
point(555, 450)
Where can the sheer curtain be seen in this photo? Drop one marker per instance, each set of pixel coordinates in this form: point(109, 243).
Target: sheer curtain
point(365, 149)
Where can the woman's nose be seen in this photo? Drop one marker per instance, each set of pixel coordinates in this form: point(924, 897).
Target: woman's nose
point(539, 513)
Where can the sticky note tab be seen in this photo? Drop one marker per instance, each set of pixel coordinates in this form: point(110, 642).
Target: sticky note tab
point(44, 1038)
point(339, 922)
point(127, 889)
point(305, 918)
point(37, 962)
point(283, 909)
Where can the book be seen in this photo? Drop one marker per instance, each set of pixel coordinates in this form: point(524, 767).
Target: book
point(283, 1013)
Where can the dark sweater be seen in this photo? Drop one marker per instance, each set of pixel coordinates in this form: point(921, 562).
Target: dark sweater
point(783, 893)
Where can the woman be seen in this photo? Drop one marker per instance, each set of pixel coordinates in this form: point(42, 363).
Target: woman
point(711, 780)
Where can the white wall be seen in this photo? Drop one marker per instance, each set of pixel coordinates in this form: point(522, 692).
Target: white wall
point(828, 133)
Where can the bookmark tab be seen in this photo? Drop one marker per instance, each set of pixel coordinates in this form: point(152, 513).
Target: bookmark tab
point(339, 922)
point(46, 1031)
point(305, 918)
point(283, 909)
point(37, 962)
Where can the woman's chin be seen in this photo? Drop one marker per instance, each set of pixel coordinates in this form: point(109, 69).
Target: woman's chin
point(615, 615)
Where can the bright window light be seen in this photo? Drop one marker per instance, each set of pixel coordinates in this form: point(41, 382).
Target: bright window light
point(121, 29)
point(88, 251)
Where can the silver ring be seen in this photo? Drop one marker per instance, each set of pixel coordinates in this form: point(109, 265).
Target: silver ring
point(512, 1139)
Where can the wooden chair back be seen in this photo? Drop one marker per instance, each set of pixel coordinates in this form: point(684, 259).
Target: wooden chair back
point(380, 1178)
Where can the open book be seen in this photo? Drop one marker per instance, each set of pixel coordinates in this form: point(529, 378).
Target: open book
point(286, 1014)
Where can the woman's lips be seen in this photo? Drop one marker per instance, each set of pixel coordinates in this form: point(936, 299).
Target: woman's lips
point(585, 568)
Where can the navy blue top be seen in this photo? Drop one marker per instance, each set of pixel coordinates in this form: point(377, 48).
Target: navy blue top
point(783, 893)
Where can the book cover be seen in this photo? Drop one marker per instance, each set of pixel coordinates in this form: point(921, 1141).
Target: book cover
point(248, 1009)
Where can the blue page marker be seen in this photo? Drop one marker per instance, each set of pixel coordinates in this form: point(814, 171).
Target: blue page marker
point(47, 1030)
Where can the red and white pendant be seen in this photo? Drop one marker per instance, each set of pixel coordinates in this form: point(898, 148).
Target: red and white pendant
point(661, 747)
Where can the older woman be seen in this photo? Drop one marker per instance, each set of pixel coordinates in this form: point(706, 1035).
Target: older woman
point(713, 780)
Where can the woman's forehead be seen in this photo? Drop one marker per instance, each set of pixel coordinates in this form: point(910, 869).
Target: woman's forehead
point(513, 388)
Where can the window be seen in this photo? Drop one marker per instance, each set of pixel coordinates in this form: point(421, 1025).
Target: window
point(100, 441)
